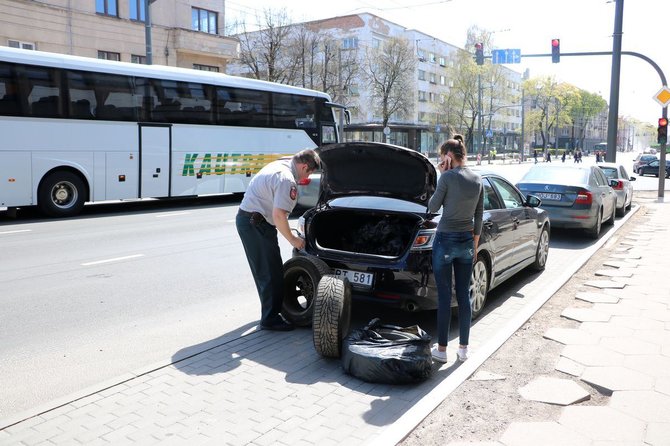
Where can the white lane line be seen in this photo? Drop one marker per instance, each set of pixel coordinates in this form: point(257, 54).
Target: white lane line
point(16, 232)
point(172, 214)
point(116, 259)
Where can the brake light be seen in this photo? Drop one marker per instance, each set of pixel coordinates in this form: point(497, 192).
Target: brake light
point(618, 185)
point(304, 181)
point(421, 240)
point(584, 197)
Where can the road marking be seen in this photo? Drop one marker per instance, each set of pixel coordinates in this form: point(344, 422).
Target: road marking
point(172, 214)
point(16, 232)
point(116, 259)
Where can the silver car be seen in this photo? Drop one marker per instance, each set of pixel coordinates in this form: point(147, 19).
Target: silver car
point(575, 196)
point(308, 191)
point(623, 186)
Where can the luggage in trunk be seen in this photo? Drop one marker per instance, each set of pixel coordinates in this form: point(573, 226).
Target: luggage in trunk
point(375, 233)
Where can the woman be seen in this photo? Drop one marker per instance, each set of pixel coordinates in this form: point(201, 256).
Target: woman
point(460, 193)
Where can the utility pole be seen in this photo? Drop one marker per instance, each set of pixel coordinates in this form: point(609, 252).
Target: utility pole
point(147, 31)
point(613, 118)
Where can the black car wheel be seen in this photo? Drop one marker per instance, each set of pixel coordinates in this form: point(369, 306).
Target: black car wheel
point(61, 194)
point(594, 232)
point(542, 251)
point(301, 279)
point(620, 212)
point(479, 286)
point(332, 315)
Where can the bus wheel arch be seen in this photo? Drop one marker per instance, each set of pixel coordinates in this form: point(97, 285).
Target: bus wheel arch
point(62, 192)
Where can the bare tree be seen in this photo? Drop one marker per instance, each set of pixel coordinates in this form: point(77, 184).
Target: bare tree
point(263, 51)
point(389, 71)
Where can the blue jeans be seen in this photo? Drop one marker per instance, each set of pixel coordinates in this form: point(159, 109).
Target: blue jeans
point(453, 252)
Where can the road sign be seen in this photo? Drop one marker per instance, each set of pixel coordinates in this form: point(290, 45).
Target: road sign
point(489, 133)
point(506, 56)
point(663, 96)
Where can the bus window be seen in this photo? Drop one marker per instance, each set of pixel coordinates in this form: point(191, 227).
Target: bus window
point(291, 111)
point(81, 89)
point(117, 97)
point(9, 91)
point(248, 108)
point(182, 102)
point(44, 92)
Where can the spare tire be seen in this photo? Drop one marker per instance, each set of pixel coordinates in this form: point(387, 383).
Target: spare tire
point(332, 315)
point(301, 278)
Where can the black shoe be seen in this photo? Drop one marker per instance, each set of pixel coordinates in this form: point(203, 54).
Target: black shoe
point(280, 325)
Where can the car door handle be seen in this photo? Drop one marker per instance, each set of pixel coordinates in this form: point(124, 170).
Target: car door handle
point(488, 224)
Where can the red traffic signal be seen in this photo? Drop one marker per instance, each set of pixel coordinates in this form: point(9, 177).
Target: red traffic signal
point(662, 130)
point(555, 50)
point(479, 53)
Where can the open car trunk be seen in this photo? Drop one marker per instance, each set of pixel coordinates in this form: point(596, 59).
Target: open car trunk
point(374, 232)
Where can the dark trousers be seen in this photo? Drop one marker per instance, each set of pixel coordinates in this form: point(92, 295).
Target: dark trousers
point(262, 249)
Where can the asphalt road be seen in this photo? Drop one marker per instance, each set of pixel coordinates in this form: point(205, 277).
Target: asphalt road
point(125, 286)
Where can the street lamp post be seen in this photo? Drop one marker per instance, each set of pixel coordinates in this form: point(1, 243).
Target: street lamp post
point(147, 30)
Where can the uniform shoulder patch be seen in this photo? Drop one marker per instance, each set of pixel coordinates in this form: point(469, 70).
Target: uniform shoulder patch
point(293, 193)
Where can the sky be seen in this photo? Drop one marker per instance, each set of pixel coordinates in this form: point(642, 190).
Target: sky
point(528, 25)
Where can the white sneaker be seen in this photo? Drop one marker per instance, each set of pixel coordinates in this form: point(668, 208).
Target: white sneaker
point(462, 354)
point(438, 355)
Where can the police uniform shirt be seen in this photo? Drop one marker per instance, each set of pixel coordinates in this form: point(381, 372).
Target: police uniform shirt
point(274, 186)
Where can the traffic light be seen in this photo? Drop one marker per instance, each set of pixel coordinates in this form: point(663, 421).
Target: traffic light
point(479, 53)
point(662, 130)
point(555, 50)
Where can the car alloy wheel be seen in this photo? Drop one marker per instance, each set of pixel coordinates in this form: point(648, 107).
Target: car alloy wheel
point(479, 285)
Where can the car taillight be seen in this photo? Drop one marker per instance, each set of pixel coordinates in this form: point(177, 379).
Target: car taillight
point(584, 197)
point(618, 185)
point(304, 182)
point(424, 240)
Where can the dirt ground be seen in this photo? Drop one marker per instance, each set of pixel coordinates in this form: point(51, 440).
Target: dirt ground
point(482, 410)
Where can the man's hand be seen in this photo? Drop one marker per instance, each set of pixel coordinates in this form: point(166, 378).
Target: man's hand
point(297, 242)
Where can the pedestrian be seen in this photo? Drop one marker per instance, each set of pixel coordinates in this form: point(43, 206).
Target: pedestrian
point(269, 199)
point(461, 196)
point(535, 155)
point(479, 159)
point(563, 157)
point(548, 156)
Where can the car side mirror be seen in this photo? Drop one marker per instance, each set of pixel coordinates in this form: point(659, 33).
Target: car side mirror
point(533, 201)
point(631, 179)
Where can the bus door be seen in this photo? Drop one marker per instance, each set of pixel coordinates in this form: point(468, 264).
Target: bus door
point(155, 141)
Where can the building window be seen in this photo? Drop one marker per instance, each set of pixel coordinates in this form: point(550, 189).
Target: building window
point(431, 97)
point(22, 45)
point(136, 58)
point(197, 66)
point(352, 90)
point(422, 96)
point(109, 55)
point(376, 43)
point(422, 75)
point(106, 7)
point(443, 62)
point(422, 55)
point(443, 80)
point(203, 20)
point(432, 78)
point(432, 58)
point(350, 43)
point(136, 10)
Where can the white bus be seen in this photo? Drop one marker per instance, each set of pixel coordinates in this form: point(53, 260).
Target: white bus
point(76, 130)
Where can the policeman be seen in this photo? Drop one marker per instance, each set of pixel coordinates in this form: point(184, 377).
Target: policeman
point(264, 210)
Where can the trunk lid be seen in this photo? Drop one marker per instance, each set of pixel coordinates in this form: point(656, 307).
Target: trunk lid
point(376, 169)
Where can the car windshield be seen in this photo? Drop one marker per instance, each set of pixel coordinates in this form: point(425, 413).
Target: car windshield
point(557, 175)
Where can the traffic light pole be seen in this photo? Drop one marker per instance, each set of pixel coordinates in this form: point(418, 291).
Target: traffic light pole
point(661, 178)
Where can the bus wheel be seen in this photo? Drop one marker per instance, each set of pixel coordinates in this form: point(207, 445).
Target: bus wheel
point(61, 194)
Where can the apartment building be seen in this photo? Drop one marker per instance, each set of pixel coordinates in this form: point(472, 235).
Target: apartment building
point(184, 34)
point(425, 127)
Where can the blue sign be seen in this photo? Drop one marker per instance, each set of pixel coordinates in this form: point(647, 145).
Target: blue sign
point(489, 133)
point(506, 56)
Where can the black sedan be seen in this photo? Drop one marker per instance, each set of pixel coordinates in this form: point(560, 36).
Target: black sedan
point(372, 225)
point(653, 168)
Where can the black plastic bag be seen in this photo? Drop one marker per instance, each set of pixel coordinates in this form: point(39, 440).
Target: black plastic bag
point(387, 354)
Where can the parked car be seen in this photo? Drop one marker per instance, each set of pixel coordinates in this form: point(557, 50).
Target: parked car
point(372, 225)
point(653, 168)
point(641, 160)
point(623, 187)
point(575, 196)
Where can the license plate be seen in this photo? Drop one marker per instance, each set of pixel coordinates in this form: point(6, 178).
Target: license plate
point(546, 196)
point(356, 278)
